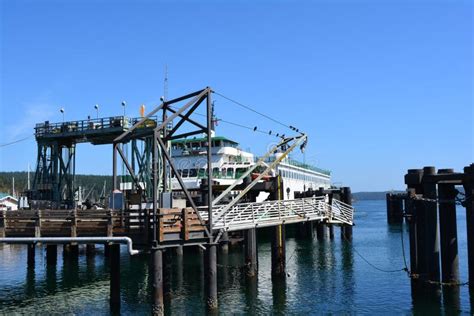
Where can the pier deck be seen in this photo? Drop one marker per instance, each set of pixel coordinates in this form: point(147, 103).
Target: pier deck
point(175, 226)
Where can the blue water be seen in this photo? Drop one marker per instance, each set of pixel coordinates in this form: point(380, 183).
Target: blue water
point(323, 277)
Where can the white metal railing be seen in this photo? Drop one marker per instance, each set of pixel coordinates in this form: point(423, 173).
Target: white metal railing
point(271, 213)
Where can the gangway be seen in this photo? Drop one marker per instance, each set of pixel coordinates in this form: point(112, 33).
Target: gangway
point(272, 213)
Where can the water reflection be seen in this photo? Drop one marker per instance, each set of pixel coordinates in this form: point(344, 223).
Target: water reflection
point(426, 298)
point(279, 294)
point(452, 300)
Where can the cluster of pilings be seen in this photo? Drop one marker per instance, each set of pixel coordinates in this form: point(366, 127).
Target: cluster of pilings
point(430, 194)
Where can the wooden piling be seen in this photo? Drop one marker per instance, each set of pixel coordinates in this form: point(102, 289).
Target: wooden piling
point(157, 282)
point(469, 204)
point(413, 182)
point(431, 237)
point(251, 252)
point(211, 277)
point(51, 255)
point(31, 255)
point(224, 243)
point(115, 278)
point(278, 251)
point(90, 250)
point(346, 230)
point(394, 208)
point(305, 230)
point(321, 231)
point(448, 230)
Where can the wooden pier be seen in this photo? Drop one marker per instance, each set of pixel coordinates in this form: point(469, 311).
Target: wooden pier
point(144, 217)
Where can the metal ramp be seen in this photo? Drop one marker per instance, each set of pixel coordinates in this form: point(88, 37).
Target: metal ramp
point(271, 213)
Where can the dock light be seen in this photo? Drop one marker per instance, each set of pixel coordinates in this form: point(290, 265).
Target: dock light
point(62, 112)
point(124, 104)
point(96, 107)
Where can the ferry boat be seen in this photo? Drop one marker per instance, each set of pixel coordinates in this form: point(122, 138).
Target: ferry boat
point(230, 162)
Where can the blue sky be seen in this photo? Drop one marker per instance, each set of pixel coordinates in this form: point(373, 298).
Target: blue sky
point(379, 86)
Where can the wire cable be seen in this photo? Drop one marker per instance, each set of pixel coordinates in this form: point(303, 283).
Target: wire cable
point(252, 110)
point(15, 141)
point(367, 261)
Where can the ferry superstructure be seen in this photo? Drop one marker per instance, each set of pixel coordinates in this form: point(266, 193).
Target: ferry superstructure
point(230, 162)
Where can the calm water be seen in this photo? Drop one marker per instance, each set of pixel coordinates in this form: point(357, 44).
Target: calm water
point(324, 277)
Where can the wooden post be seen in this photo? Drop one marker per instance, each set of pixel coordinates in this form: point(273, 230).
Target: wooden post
point(320, 231)
point(413, 182)
point(157, 280)
point(431, 236)
point(2, 223)
point(278, 251)
point(251, 252)
point(38, 224)
point(224, 243)
point(304, 230)
point(394, 209)
point(469, 204)
point(31, 255)
point(211, 277)
point(90, 250)
point(448, 230)
point(51, 255)
point(115, 278)
point(346, 230)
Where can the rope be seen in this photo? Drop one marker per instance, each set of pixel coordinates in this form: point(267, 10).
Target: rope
point(15, 141)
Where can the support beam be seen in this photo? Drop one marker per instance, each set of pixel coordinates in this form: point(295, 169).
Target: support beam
point(304, 230)
point(90, 250)
point(115, 278)
point(157, 281)
point(51, 255)
point(346, 230)
point(278, 251)
point(251, 252)
point(321, 231)
point(224, 242)
point(211, 277)
point(448, 230)
point(31, 255)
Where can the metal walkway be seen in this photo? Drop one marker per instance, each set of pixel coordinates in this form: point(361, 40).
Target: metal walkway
point(271, 213)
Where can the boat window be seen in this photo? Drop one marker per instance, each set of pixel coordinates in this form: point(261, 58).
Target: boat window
point(224, 172)
point(218, 143)
point(230, 172)
point(215, 172)
point(192, 173)
point(239, 172)
point(202, 172)
point(185, 173)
